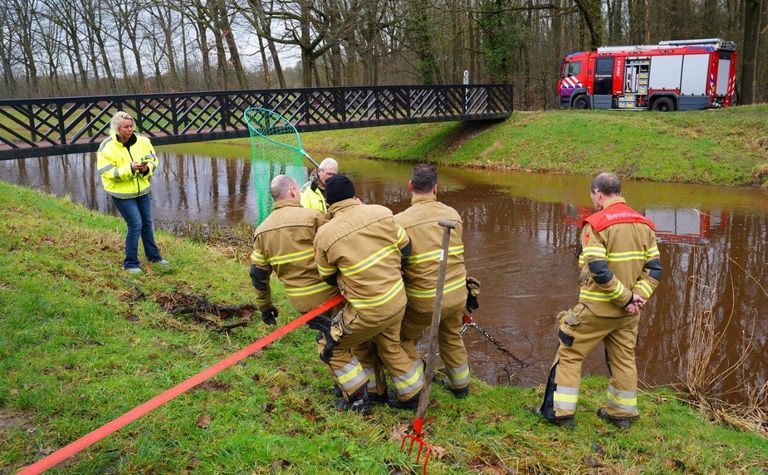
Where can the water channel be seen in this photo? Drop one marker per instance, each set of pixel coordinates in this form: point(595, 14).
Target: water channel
point(520, 231)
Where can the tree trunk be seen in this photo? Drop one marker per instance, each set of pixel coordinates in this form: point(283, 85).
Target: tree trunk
point(226, 31)
point(749, 50)
point(592, 12)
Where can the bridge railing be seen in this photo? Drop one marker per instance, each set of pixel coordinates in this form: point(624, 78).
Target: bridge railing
point(52, 126)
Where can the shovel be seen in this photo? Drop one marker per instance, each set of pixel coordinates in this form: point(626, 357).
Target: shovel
point(415, 437)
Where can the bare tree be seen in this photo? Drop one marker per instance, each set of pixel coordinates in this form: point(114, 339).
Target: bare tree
point(749, 55)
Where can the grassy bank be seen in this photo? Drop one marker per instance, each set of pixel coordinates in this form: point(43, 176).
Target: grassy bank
point(81, 342)
point(728, 147)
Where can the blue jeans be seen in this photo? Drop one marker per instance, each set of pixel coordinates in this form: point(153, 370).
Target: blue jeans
point(137, 213)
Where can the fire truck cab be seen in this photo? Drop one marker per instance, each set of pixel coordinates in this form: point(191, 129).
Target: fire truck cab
point(673, 75)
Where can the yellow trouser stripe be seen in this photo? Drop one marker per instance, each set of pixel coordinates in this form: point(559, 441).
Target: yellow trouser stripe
point(449, 287)
point(624, 401)
point(377, 301)
point(349, 374)
point(369, 261)
point(292, 257)
point(308, 290)
point(560, 397)
point(324, 271)
point(409, 379)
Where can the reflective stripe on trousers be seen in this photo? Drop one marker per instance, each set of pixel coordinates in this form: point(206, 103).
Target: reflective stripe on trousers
point(350, 376)
point(458, 377)
point(565, 399)
point(412, 381)
point(624, 401)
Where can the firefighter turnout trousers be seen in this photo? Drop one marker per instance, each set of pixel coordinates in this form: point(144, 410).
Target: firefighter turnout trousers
point(452, 350)
point(580, 331)
point(353, 364)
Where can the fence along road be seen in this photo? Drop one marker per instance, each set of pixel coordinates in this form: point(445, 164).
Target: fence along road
point(62, 125)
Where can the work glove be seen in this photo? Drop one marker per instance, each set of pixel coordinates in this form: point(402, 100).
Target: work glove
point(327, 352)
point(322, 323)
point(269, 315)
point(473, 290)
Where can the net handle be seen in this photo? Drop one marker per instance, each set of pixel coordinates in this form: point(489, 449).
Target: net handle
point(298, 137)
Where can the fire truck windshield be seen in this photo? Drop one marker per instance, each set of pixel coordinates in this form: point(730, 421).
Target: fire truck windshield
point(571, 69)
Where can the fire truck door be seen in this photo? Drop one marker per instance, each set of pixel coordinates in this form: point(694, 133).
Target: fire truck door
point(603, 97)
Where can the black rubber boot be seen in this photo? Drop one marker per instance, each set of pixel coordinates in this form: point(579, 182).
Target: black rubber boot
point(620, 422)
point(459, 393)
point(357, 402)
point(408, 404)
point(565, 421)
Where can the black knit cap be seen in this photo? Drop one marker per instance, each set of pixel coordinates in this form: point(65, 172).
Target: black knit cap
point(338, 188)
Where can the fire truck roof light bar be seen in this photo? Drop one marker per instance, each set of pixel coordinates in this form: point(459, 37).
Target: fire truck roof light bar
point(715, 42)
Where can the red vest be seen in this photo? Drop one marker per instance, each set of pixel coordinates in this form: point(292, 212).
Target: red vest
point(615, 214)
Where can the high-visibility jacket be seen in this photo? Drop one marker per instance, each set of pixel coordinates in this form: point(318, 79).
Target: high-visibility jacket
point(619, 257)
point(283, 244)
point(420, 269)
point(312, 196)
point(361, 245)
point(114, 164)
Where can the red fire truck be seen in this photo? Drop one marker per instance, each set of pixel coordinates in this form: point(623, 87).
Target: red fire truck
point(673, 75)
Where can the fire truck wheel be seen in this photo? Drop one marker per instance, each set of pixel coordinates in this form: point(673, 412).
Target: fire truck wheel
point(581, 102)
point(663, 104)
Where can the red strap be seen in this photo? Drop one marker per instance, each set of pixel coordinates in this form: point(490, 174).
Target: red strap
point(130, 416)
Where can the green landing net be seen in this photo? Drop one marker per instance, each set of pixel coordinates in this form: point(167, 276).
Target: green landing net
point(275, 150)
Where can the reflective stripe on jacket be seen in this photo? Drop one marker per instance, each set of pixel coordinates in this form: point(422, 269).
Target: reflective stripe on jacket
point(114, 165)
point(312, 197)
point(618, 261)
point(420, 270)
point(283, 244)
point(362, 244)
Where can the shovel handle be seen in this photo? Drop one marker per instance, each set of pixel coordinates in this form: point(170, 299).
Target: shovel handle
point(429, 371)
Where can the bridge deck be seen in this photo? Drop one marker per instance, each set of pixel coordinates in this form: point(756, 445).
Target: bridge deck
point(54, 126)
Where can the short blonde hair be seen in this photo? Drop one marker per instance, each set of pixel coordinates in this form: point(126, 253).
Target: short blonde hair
point(117, 120)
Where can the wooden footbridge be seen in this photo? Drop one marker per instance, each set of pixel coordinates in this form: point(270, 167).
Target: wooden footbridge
point(62, 125)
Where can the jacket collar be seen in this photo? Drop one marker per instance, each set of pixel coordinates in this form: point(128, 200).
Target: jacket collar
point(285, 204)
point(132, 140)
point(612, 201)
point(423, 198)
point(342, 205)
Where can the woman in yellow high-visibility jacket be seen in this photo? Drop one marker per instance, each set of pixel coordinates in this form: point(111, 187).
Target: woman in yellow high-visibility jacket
point(126, 162)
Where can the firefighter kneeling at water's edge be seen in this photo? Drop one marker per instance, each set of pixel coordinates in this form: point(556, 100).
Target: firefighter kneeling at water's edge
point(620, 269)
point(361, 249)
point(283, 244)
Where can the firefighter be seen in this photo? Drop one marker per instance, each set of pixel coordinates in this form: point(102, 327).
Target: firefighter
point(283, 243)
point(313, 192)
point(620, 270)
point(360, 248)
point(420, 276)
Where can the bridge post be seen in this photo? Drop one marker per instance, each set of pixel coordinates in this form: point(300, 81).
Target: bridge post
point(174, 116)
point(60, 120)
point(32, 127)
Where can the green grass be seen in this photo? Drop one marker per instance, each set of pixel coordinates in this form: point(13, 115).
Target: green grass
point(78, 348)
point(726, 147)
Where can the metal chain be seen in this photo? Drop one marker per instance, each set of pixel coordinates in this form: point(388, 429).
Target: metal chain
point(495, 342)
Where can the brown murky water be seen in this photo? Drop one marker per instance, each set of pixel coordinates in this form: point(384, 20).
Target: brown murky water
point(520, 232)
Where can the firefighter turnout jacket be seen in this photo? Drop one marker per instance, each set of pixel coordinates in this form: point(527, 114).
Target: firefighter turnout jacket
point(283, 244)
point(361, 248)
point(114, 164)
point(361, 245)
point(420, 222)
point(618, 258)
